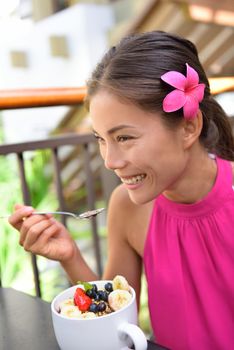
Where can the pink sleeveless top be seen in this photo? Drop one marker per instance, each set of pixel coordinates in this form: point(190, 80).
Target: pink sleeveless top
point(189, 266)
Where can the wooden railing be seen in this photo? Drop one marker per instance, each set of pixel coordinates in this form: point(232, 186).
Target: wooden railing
point(15, 99)
point(28, 98)
point(222, 84)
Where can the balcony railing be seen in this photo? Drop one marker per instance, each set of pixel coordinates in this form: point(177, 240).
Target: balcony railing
point(15, 99)
point(28, 98)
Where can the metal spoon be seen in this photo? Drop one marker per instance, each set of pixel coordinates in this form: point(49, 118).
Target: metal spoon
point(85, 215)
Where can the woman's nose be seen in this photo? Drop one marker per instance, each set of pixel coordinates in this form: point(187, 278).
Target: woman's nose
point(113, 159)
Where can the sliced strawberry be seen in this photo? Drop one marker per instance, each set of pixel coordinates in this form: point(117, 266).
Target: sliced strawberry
point(79, 291)
point(82, 300)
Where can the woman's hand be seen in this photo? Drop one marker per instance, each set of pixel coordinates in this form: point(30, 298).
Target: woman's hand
point(42, 234)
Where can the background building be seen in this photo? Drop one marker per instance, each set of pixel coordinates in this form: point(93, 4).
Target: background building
point(56, 51)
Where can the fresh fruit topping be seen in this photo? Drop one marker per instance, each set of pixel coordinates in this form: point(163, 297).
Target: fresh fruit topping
point(91, 293)
point(103, 295)
point(82, 300)
point(97, 297)
point(89, 301)
point(101, 306)
point(80, 291)
point(95, 288)
point(120, 282)
point(66, 302)
point(119, 298)
point(70, 311)
point(93, 308)
point(86, 285)
point(108, 287)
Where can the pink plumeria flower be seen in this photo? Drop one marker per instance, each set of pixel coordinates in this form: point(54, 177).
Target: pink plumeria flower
point(188, 92)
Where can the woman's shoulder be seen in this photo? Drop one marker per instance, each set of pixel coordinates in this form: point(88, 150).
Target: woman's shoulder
point(130, 218)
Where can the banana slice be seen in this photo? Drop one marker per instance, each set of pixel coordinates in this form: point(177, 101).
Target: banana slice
point(88, 315)
point(120, 282)
point(119, 298)
point(71, 311)
point(66, 302)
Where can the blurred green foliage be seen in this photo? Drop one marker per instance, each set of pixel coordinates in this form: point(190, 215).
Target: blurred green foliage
point(10, 254)
point(13, 259)
point(144, 317)
point(15, 264)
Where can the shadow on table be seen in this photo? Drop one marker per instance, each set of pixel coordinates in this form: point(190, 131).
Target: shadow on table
point(153, 346)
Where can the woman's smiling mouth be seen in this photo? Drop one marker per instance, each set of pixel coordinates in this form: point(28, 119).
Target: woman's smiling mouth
point(133, 180)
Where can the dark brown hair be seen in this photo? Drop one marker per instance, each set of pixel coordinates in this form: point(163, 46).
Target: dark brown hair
point(132, 71)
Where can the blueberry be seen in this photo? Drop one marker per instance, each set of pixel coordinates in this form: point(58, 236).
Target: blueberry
point(101, 306)
point(97, 297)
point(108, 287)
point(103, 295)
point(93, 308)
point(91, 293)
point(94, 287)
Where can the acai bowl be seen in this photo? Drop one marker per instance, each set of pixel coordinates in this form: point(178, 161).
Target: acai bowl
point(114, 328)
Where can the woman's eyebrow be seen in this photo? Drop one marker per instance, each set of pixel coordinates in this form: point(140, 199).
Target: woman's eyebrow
point(117, 128)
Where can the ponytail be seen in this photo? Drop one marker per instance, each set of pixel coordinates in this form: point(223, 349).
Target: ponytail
point(217, 135)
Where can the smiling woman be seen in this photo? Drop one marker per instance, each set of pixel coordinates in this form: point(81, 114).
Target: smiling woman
point(171, 145)
point(129, 139)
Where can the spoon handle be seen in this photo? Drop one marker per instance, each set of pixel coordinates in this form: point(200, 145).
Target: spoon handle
point(85, 215)
point(44, 213)
point(55, 212)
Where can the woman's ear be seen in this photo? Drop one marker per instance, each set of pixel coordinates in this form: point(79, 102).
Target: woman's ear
point(192, 129)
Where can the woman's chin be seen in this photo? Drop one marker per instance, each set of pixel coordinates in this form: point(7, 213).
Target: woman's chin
point(140, 199)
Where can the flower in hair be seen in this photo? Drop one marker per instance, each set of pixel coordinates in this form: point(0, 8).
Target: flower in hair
point(188, 92)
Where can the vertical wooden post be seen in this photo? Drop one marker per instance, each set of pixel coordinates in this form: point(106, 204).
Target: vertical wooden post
point(27, 201)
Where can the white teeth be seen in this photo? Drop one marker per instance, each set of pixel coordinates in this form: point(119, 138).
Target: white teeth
point(134, 180)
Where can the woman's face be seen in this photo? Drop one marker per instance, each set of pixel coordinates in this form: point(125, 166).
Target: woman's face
point(148, 157)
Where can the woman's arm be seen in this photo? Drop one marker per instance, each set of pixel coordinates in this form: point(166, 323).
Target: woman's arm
point(45, 236)
point(122, 259)
point(77, 269)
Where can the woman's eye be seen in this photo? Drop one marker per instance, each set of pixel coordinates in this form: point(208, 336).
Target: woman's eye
point(98, 138)
point(123, 138)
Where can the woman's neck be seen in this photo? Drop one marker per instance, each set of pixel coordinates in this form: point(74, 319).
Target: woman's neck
point(197, 179)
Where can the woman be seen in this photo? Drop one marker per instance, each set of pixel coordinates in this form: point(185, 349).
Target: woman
point(171, 145)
